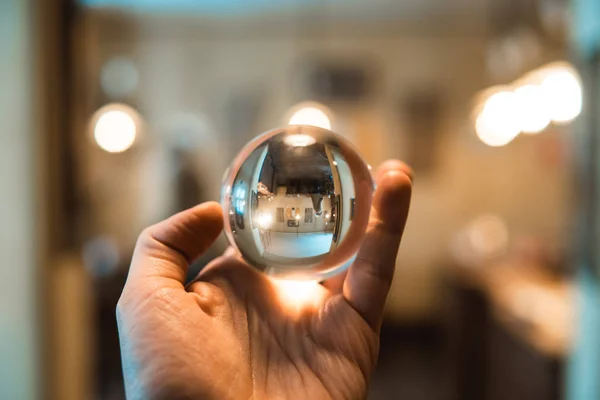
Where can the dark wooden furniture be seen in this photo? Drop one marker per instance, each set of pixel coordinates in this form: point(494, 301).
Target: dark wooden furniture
point(510, 329)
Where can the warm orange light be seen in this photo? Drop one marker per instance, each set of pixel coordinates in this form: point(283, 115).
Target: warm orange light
point(532, 109)
point(265, 220)
point(496, 125)
point(299, 294)
point(563, 93)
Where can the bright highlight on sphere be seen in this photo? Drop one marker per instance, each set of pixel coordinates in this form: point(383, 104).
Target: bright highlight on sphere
point(115, 129)
point(311, 116)
point(563, 93)
point(299, 140)
point(264, 221)
point(496, 125)
point(532, 109)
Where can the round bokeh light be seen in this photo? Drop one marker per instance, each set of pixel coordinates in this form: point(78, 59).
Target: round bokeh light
point(115, 127)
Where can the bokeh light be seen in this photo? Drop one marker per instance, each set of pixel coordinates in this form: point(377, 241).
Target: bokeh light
point(115, 127)
point(313, 115)
point(531, 109)
point(119, 77)
point(483, 239)
point(299, 140)
point(552, 93)
point(496, 125)
point(488, 236)
point(562, 90)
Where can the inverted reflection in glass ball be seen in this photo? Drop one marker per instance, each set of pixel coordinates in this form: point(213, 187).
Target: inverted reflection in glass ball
point(296, 202)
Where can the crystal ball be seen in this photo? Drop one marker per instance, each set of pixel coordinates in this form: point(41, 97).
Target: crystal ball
point(296, 203)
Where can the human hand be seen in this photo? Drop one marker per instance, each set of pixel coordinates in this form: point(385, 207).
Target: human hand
point(234, 333)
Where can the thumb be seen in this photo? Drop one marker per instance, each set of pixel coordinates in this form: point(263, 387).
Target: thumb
point(166, 249)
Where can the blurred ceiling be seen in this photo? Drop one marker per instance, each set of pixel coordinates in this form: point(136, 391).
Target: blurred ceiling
point(355, 9)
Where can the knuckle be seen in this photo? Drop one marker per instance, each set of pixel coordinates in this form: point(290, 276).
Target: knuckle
point(145, 237)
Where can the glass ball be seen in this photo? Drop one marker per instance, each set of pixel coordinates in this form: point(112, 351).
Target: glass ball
point(296, 202)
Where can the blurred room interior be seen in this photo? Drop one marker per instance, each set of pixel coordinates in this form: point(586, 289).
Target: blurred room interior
point(119, 113)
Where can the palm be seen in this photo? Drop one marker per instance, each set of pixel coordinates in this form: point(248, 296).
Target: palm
point(267, 349)
point(320, 350)
point(231, 334)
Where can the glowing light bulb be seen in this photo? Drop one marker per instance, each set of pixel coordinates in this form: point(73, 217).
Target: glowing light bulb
point(115, 128)
point(311, 116)
point(496, 125)
point(563, 93)
point(531, 109)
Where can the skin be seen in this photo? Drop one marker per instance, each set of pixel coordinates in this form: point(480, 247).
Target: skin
point(235, 333)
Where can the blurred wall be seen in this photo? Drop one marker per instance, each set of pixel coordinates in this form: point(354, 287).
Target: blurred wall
point(202, 72)
point(18, 231)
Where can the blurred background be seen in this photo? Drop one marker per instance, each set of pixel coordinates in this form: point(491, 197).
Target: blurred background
point(115, 114)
